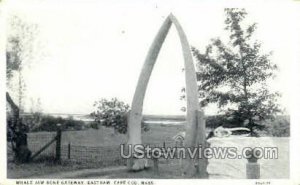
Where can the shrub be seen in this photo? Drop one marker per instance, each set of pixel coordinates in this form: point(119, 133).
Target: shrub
point(33, 120)
point(279, 127)
point(49, 123)
point(112, 113)
point(222, 120)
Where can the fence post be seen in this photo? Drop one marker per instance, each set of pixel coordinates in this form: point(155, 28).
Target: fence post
point(155, 165)
point(252, 167)
point(164, 146)
point(58, 143)
point(69, 151)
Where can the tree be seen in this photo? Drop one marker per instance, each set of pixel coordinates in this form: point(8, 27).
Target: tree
point(235, 75)
point(112, 113)
point(18, 54)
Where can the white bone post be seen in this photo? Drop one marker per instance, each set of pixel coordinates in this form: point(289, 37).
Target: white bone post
point(135, 117)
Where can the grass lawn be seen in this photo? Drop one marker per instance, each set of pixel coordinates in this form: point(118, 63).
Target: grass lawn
point(37, 168)
point(225, 168)
point(89, 138)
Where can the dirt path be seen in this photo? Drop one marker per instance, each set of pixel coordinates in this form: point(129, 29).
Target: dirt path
point(83, 173)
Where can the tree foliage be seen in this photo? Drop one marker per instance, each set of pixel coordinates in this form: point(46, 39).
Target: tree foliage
point(112, 113)
point(235, 74)
point(22, 49)
point(21, 40)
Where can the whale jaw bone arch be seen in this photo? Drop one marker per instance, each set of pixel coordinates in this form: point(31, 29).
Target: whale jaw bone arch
point(193, 109)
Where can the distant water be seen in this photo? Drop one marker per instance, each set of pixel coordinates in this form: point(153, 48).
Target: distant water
point(81, 117)
point(149, 120)
point(165, 122)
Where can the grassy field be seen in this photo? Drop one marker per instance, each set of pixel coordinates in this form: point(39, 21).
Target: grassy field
point(91, 138)
point(157, 134)
point(277, 168)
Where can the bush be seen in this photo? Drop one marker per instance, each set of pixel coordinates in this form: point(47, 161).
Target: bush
point(49, 123)
point(112, 113)
point(93, 125)
point(279, 127)
point(32, 120)
point(214, 121)
point(222, 120)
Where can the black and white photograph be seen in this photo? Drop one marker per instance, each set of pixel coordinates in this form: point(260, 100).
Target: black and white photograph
point(134, 92)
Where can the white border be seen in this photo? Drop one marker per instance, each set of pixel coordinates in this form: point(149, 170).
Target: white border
point(295, 104)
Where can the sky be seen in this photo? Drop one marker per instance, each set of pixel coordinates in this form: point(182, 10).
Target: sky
point(96, 49)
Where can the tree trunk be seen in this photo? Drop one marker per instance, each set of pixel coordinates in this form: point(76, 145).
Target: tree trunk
point(251, 127)
point(19, 136)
